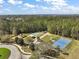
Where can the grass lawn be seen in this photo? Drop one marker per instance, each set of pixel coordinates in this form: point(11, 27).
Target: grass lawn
point(28, 39)
point(4, 53)
point(73, 50)
point(70, 48)
point(48, 38)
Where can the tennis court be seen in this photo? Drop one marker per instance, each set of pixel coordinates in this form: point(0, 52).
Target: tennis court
point(62, 43)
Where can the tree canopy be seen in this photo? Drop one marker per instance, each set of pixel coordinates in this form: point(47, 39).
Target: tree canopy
point(61, 25)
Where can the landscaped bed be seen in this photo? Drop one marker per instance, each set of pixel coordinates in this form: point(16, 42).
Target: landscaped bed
point(4, 53)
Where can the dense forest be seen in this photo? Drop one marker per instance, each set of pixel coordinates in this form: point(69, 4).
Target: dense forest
point(61, 25)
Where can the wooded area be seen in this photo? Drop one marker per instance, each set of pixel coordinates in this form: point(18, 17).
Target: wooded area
point(61, 25)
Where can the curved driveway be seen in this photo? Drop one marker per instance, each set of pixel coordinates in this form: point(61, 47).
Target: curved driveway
point(15, 53)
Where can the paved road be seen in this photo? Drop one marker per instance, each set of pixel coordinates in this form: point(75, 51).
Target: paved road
point(15, 53)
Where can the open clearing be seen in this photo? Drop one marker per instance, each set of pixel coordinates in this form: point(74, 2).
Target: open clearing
point(72, 48)
point(4, 53)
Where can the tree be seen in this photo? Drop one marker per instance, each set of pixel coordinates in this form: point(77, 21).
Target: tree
point(19, 41)
point(32, 46)
point(15, 31)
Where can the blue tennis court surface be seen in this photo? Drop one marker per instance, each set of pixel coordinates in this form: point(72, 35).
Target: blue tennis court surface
point(62, 43)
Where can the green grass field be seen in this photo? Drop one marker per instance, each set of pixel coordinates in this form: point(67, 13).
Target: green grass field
point(4, 53)
point(48, 38)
